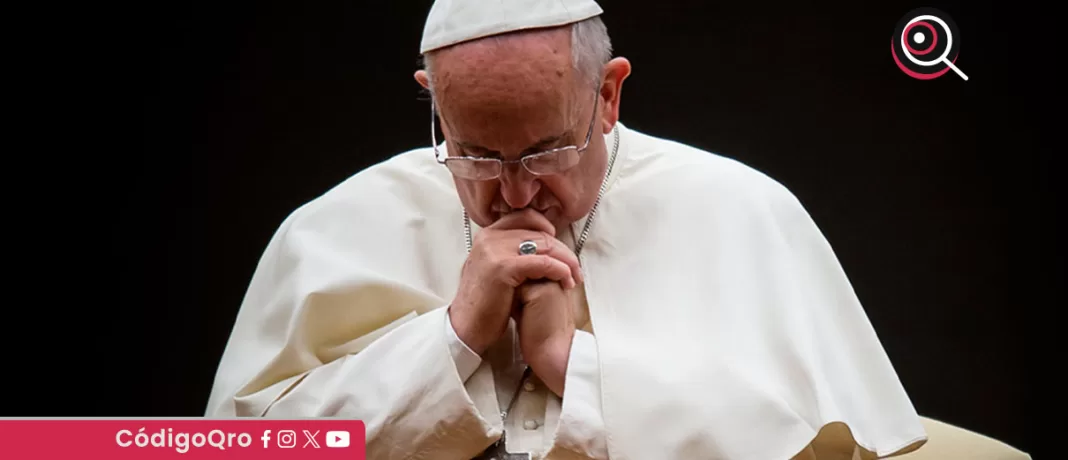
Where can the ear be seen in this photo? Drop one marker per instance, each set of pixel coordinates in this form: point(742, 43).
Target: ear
point(616, 71)
point(421, 77)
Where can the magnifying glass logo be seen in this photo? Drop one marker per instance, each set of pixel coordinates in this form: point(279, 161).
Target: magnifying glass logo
point(925, 44)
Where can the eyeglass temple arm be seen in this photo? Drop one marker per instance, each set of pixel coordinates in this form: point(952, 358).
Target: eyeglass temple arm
point(593, 121)
point(433, 133)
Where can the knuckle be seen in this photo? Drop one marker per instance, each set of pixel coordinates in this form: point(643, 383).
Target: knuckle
point(548, 241)
point(478, 256)
point(485, 258)
point(495, 262)
point(480, 238)
point(546, 264)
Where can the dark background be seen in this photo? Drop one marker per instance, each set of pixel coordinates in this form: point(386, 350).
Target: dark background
point(936, 207)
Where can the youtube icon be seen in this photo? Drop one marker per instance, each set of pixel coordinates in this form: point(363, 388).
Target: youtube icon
point(337, 439)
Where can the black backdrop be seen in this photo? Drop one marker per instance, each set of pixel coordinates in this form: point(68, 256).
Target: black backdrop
point(249, 111)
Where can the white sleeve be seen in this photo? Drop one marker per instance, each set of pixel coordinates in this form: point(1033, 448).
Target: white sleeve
point(403, 385)
point(466, 360)
point(581, 427)
point(328, 327)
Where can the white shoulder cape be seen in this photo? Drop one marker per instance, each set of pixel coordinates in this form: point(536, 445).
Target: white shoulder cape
point(725, 326)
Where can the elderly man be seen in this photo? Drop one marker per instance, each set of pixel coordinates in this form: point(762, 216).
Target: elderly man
point(547, 283)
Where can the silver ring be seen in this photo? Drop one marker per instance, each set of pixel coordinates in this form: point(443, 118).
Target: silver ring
point(528, 247)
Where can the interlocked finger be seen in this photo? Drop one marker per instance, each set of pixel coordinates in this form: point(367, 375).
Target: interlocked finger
point(537, 267)
point(540, 243)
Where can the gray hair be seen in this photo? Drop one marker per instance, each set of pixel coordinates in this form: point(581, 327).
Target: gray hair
point(591, 49)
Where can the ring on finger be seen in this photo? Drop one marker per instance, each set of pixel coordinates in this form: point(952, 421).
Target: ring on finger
point(528, 247)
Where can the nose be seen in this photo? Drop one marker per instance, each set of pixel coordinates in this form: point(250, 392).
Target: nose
point(518, 186)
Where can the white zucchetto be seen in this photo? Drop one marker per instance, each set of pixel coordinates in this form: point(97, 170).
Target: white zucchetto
point(455, 21)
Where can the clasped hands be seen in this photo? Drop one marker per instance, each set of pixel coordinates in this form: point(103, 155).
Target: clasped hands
point(498, 283)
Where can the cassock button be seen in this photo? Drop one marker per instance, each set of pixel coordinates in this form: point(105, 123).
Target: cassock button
point(528, 386)
point(530, 424)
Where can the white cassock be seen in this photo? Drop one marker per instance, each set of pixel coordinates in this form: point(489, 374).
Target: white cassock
point(720, 325)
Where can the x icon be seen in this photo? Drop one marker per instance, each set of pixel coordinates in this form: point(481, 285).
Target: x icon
point(311, 439)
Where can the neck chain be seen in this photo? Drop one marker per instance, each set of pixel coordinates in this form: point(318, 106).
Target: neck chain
point(593, 211)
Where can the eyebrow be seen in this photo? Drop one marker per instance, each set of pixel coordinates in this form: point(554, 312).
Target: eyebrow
point(542, 144)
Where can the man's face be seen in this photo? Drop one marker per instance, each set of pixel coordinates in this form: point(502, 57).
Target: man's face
point(511, 97)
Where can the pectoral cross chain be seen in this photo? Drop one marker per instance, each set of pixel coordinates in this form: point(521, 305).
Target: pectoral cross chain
point(498, 451)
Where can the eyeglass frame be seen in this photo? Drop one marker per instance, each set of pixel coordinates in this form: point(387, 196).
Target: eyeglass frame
point(522, 160)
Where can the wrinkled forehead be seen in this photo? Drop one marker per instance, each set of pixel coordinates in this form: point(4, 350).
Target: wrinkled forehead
point(504, 76)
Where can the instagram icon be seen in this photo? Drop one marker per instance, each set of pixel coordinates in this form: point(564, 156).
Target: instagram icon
point(287, 439)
